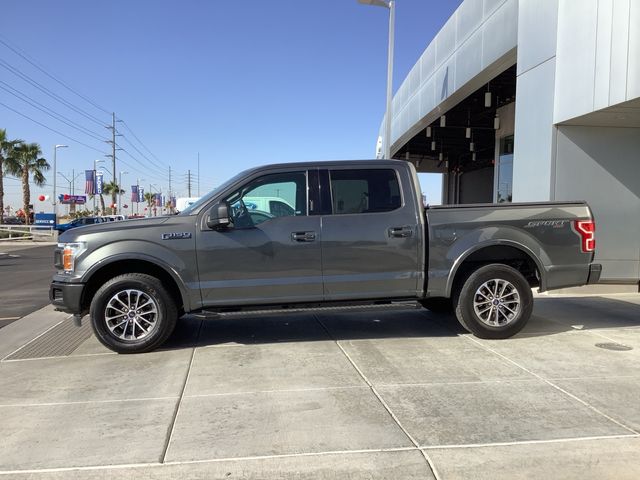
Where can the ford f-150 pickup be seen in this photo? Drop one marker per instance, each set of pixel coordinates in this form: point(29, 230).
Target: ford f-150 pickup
point(356, 232)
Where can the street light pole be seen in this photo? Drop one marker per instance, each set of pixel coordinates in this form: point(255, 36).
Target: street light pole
point(120, 192)
point(391, 5)
point(95, 169)
point(55, 169)
point(138, 180)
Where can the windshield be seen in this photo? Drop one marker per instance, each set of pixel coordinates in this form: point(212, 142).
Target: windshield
point(205, 198)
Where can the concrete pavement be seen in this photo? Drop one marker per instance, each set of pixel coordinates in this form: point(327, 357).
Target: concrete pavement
point(25, 274)
point(387, 393)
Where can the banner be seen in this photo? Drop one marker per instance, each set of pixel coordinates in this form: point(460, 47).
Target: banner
point(90, 182)
point(157, 200)
point(99, 177)
point(140, 195)
point(134, 194)
point(67, 199)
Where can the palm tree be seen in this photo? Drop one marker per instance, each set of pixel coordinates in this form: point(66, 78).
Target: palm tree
point(6, 151)
point(149, 198)
point(26, 160)
point(113, 189)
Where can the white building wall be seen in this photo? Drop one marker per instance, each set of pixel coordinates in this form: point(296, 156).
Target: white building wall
point(598, 56)
point(475, 44)
point(535, 85)
point(602, 166)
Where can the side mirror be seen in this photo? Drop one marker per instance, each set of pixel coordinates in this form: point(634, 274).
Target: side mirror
point(220, 216)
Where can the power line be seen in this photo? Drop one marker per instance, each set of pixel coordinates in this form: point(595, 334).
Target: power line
point(50, 93)
point(145, 169)
point(22, 54)
point(151, 162)
point(49, 128)
point(140, 141)
point(52, 113)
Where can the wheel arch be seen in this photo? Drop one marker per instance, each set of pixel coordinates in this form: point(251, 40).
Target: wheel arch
point(510, 253)
point(121, 264)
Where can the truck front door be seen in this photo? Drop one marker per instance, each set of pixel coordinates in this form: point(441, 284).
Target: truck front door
point(263, 258)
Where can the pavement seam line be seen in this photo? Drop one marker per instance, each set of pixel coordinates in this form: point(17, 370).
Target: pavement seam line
point(557, 387)
point(598, 334)
point(172, 428)
point(85, 402)
point(384, 404)
point(35, 338)
point(288, 390)
point(58, 356)
point(211, 460)
point(528, 442)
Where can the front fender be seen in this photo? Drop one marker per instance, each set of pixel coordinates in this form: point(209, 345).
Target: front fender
point(178, 263)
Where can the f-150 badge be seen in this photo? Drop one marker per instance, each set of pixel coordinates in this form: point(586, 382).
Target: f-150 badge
point(176, 235)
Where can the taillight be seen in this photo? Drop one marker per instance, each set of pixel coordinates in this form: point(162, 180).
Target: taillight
point(587, 231)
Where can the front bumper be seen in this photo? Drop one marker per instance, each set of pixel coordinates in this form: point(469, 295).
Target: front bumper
point(595, 270)
point(67, 297)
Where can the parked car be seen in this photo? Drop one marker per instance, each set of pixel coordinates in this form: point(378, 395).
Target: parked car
point(276, 206)
point(13, 221)
point(79, 222)
point(358, 234)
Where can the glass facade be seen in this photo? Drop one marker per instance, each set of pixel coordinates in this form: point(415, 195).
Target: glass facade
point(504, 185)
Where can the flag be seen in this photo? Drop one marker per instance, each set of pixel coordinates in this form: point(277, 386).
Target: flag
point(173, 202)
point(157, 200)
point(99, 181)
point(90, 182)
point(134, 193)
point(140, 194)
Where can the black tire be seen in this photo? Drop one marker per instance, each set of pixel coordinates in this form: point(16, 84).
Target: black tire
point(438, 304)
point(512, 323)
point(163, 312)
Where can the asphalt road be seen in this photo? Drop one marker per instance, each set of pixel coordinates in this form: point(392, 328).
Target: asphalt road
point(25, 275)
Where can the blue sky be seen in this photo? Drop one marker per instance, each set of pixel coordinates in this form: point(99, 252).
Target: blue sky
point(243, 83)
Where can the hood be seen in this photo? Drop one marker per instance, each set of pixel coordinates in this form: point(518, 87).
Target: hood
point(118, 226)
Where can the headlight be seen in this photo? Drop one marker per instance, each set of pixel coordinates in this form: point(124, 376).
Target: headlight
point(71, 251)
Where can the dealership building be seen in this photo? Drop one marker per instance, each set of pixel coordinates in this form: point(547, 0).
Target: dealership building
point(533, 100)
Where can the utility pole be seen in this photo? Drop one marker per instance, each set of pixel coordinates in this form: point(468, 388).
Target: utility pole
point(170, 208)
point(113, 145)
point(189, 183)
point(114, 134)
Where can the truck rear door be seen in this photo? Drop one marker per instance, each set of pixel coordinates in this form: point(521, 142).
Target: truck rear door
point(371, 234)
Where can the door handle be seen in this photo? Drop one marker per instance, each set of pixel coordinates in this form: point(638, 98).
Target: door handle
point(400, 232)
point(303, 236)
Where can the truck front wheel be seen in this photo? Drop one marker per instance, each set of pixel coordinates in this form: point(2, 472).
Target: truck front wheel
point(495, 301)
point(133, 313)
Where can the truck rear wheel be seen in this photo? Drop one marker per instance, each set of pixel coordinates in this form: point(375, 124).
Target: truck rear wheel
point(133, 313)
point(495, 301)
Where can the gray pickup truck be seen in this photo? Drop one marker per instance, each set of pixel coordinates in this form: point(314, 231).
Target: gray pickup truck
point(353, 232)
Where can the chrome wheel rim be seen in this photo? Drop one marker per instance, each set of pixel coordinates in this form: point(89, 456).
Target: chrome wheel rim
point(131, 315)
point(496, 302)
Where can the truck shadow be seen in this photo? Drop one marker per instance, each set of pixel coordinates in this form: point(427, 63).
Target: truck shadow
point(551, 316)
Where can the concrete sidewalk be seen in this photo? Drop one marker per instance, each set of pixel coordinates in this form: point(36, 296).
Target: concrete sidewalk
point(375, 393)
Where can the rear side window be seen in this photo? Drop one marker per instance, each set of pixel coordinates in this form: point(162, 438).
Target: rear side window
point(364, 191)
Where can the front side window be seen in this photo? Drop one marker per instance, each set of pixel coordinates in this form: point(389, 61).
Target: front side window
point(364, 191)
point(252, 203)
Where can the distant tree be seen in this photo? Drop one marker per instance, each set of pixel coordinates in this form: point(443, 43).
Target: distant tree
point(149, 198)
point(6, 151)
point(113, 189)
point(26, 160)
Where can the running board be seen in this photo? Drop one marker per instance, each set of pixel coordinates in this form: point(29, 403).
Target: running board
point(228, 312)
